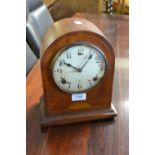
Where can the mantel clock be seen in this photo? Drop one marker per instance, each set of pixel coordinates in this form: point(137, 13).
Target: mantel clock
point(77, 67)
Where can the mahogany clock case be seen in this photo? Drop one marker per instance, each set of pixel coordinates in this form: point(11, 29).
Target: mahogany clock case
point(58, 107)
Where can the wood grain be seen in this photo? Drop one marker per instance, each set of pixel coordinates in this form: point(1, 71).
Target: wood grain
point(96, 137)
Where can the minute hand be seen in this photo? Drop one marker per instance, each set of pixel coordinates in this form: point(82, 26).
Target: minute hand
point(86, 62)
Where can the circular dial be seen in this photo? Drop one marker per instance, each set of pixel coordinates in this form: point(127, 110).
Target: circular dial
point(78, 67)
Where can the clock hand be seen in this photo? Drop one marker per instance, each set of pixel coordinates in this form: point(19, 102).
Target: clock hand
point(70, 65)
point(90, 56)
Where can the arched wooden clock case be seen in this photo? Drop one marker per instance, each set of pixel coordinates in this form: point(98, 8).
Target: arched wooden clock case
point(58, 107)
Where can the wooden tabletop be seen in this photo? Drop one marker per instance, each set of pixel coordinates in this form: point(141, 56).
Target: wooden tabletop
point(90, 138)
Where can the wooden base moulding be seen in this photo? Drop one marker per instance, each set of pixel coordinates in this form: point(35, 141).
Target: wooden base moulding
point(75, 117)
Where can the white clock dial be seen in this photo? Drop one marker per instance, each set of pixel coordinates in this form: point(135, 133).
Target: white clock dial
point(78, 68)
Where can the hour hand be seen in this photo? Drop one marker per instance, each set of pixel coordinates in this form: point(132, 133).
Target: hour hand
point(70, 65)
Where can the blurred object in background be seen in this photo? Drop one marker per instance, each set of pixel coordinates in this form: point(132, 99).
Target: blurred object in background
point(106, 6)
point(121, 6)
point(31, 59)
point(66, 8)
point(38, 21)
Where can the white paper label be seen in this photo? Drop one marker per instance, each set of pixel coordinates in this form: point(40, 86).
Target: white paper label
point(78, 96)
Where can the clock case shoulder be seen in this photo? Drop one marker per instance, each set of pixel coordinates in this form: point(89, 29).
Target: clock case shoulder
point(66, 26)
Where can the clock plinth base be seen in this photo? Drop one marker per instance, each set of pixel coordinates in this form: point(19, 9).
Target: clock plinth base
point(76, 117)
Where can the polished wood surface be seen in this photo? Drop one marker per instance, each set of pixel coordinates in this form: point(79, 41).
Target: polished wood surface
point(91, 138)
